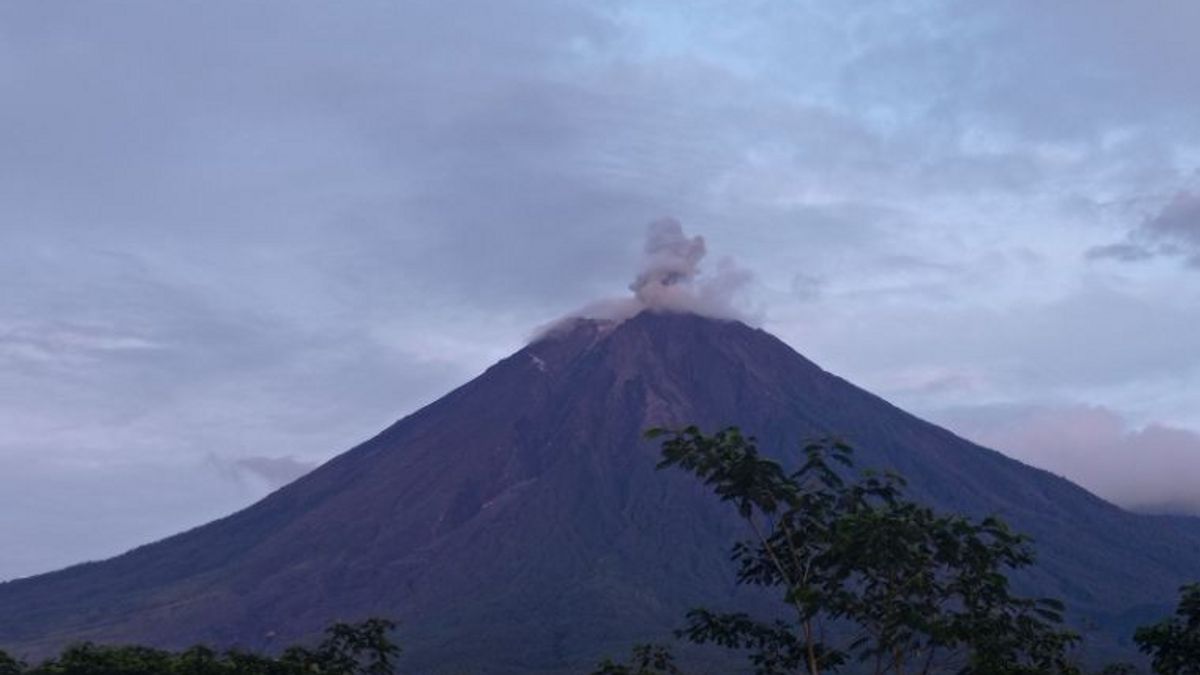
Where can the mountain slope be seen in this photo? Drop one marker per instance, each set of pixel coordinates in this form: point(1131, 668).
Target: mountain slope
point(518, 525)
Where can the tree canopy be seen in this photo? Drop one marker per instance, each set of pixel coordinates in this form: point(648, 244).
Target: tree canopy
point(1174, 643)
point(870, 579)
point(347, 649)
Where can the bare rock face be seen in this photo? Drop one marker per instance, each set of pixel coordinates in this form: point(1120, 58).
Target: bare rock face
point(518, 523)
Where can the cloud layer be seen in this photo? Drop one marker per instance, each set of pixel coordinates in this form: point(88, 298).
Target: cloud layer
point(1173, 231)
point(1153, 468)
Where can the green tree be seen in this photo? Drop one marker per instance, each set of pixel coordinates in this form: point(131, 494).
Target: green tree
point(1119, 669)
point(347, 649)
point(9, 665)
point(646, 660)
point(199, 660)
point(92, 659)
point(868, 576)
point(1174, 643)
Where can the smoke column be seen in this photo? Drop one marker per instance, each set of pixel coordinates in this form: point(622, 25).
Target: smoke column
point(671, 279)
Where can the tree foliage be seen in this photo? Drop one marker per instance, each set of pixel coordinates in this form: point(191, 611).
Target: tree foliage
point(9, 665)
point(646, 660)
point(871, 579)
point(1174, 643)
point(348, 649)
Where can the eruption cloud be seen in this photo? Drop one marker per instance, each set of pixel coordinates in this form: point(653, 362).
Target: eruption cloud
point(672, 263)
point(671, 279)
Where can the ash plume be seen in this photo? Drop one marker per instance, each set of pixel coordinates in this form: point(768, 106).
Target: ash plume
point(672, 263)
point(671, 279)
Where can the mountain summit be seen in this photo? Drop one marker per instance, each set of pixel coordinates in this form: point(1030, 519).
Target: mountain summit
point(518, 524)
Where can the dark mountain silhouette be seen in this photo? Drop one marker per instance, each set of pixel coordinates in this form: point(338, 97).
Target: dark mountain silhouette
point(518, 524)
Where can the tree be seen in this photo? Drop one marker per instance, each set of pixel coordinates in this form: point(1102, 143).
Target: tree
point(1174, 643)
point(867, 575)
point(646, 660)
point(9, 665)
point(91, 659)
point(347, 649)
point(350, 649)
point(1119, 669)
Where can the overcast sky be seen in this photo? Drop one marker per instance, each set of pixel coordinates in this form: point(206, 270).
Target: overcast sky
point(238, 238)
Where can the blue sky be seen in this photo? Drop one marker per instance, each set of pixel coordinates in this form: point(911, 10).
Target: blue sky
point(239, 238)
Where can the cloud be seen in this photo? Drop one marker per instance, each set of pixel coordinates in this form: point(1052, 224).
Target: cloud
point(272, 472)
point(806, 287)
point(1173, 231)
point(671, 279)
point(1153, 468)
point(1099, 343)
point(64, 511)
point(672, 261)
point(1124, 252)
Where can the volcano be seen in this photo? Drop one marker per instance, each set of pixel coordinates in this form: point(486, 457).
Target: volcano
point(518, 524)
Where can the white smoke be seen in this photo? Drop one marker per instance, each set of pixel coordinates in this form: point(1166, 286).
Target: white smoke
point(672, 263)
point(671, 279)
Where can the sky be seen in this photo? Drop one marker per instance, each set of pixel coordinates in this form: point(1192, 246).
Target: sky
point(239, 238)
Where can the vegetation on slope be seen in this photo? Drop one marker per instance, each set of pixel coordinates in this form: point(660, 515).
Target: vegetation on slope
point(1174, 644)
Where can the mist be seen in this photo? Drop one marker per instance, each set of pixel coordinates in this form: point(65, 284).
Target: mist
point(1151, 468)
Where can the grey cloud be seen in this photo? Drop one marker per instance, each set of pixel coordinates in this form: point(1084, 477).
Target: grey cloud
point(1152, 468)
point(275, 472)
point(671, 278)
point(1125, 252)
point(806, 287)
point(66, 511)
point(1179, 221)
point(1173, 231)
point(1097, 342)
point(1068, 71)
